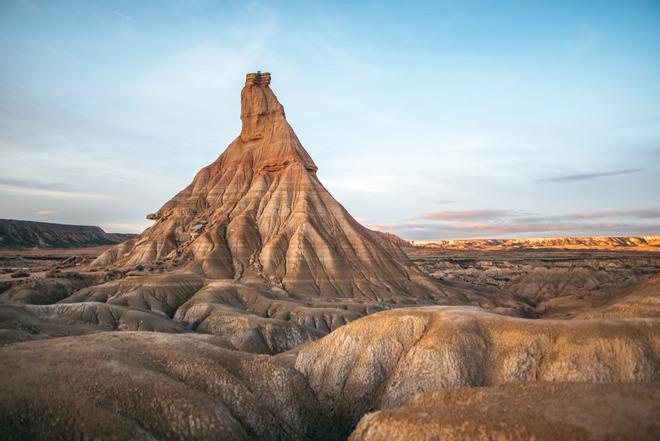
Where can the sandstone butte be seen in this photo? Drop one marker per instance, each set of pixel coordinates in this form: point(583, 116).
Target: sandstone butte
point(259, 215)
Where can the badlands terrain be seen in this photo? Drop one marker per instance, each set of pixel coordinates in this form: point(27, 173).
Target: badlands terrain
point(257, 307)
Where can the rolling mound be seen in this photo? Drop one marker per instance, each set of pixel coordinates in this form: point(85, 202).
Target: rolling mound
point(541, 411)
point(150, 386)
point(35, 322)
point(641, 301)
point(384, 359)
point(429, 371)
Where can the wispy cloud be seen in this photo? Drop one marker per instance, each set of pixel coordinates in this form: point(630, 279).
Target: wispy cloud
point(384, 227)
point(467, 214)
point(122, 16)
point(636, 213)
point(45, 212)
point(28, 191)
point(586, 176)
point(505, 228)
point(642, 213)
point(47, 189)
point(467, 230)
point(122, 227)
point(505, 223)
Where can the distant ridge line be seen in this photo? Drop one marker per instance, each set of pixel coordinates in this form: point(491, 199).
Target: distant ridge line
point(642, 243)
point(20, 234)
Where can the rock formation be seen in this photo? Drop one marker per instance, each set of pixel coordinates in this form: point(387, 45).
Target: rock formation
point(255, 250)
point(260, 215)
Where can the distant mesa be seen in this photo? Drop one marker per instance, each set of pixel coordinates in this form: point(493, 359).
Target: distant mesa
point(17, 234)
point(637, 243)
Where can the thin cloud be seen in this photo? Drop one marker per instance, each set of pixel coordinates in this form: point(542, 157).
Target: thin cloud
point(391, 226)
point(62, 194)
point(384, 227)
point(586, 176)
point(510, 228)
point(638, 213)
point(473, 230)
point(122, 16)
point(45, 212)
point(467, 215)
point(122, 227)
point(642, 213)
point(20, 186)
point(493, 223)
point(36, 184)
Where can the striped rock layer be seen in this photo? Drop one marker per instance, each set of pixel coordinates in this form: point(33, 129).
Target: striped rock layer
point(260, 215)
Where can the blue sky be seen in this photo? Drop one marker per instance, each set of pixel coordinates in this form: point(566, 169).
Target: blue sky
point(444, 119)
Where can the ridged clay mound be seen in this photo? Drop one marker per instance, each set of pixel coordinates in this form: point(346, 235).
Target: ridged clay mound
point(260, 215)
point(162, 293)
point(146, 386)
point(641, 301)
point(253, 319)
point(541, 411)
point(551, 284)
point(382, 360)
point(35, 322)
point(260, 321)
point(46, 290)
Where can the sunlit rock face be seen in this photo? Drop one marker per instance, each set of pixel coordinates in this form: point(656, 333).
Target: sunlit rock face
point(385, 359)
point(639, 243)
point(539, 411)
point(260, 215)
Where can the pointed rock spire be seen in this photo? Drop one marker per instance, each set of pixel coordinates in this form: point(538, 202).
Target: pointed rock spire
point(260, 109)
point(259, 215)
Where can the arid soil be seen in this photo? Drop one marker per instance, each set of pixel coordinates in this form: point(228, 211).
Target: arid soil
point(543, 283)
point(150, 386)
point(256, 307)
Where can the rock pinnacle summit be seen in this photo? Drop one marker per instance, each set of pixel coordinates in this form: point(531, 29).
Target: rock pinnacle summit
point(259, 215)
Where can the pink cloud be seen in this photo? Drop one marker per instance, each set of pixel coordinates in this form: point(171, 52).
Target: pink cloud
point(467, 214)
point(508, 228)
